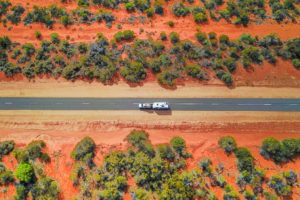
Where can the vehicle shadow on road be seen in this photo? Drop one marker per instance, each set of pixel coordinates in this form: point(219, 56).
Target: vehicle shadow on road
point(159, 112)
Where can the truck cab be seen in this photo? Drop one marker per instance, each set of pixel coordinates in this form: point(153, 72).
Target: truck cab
point(145, 106)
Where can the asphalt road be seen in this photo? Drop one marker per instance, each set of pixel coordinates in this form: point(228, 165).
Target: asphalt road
point(204, 104)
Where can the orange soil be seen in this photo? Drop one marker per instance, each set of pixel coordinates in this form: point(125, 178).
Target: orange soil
point(185, 26)
point(200, 144)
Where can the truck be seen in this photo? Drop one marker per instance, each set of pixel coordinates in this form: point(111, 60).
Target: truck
point(155, 106)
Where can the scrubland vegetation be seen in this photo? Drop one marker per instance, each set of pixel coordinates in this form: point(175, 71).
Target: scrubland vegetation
point(147, 171)
point(103, 59)
point(236, 12)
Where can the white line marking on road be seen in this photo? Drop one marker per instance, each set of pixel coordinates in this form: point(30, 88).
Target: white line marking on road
point(59, 103)
point(215, 104)
point(293, 104)
point(189, 104)
point(267, 104)
point(8, 103)
point(85, 103)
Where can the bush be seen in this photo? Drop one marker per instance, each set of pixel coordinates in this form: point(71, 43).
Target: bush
point(166, 152)
point(180, 10)
point(38, 35)
point(134, 72)
point(227, 143)
point(55, 38)
point(199, 15)
point(251, 55)
point(25, 173)
point(66, 20)
point(224, 39)
point(83, 3)
point(126, 35)
point(195, 71)
point(245, 160)
point(4, 5)
point(178, 144)
point(29, 49)
point(6, 177)
point(201, 37)
point(150, 12)
point(225, 77)
point(174, 37)
point(167, 78)
point(39, 14)
point(137, 137)
point(277, 183)
point(130, 7)
point(163, 36)
point(171, 24)
point(282, 151)
point(296, 63)
point(83, 149)
point(6, 147)
point(45, 188)
point(230, 63)
point(15, 17)
point(142, 5)
point(5, 43)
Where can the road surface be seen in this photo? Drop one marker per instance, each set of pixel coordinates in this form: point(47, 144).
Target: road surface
point(189, 104)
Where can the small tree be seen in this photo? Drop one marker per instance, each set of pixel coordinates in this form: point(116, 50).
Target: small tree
point(227, 143)
point(25, 173)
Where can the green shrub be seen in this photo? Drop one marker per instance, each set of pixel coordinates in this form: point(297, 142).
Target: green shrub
point(15, 16)
point(199, 15)
point(38, 35)
point(166, 152)
point(201, 37)
point(137, 138)
point(41, 15)
point(55, 38)
point(4, 5)
point(227, 143)
point(150, 12)
point(174, 37)
point(134, 72)
point(296, 63)
point(179, 10)
point(66, 20)
point(5, 43)
point(130, 7)
point(83, 149)
point(171, 23)
point(178, 144)
point(25, 173)
point(45, 188)
point(142, 5)
point(277, 183)
point(225, 77)
point(163, 36)
point(230, 63)
point(278, 151)
point(195, 71)
point(6, 147)
point(29, 49)
point(251, 55)
point(83, 3)
point(126, 35)
point(167, 78)
point(245, 160)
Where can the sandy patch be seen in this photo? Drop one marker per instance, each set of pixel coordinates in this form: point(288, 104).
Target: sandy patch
point(61, 88)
